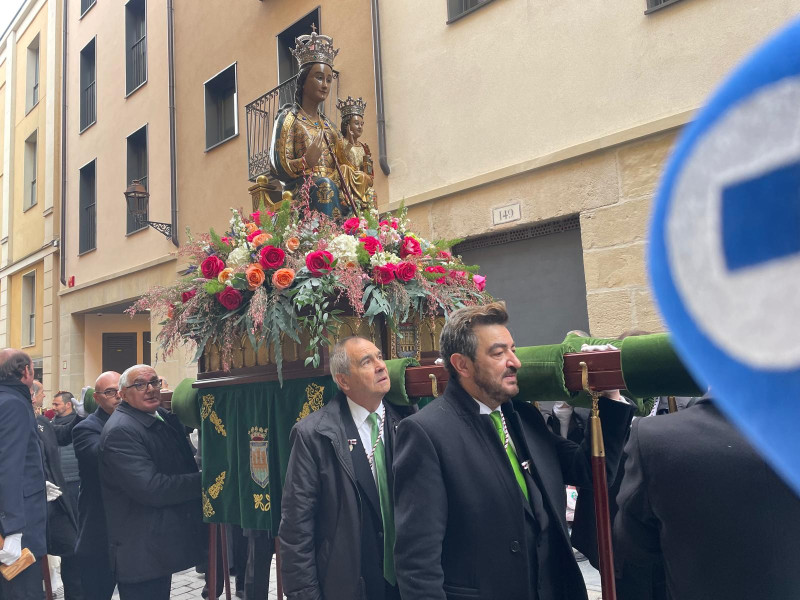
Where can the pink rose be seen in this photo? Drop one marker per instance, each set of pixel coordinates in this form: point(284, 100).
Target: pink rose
point(351, 225)
point(480, 282)
point(186, 296)
point(437, 269)
point(319, 262)
point(406, 271)
point(211, 267)
point(444, 254)
point(271, 257)
point(410, 247)
point(253, 234)
point(385, 273)
point(230, 298)
point(256, 218)
point(371, 245)
point(225, 239)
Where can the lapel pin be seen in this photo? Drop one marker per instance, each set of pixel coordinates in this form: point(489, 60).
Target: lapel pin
point(526, 464)
point(352, 443)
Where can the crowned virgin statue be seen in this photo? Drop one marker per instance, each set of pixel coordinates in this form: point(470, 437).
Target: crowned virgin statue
point(355, 154)
point(304, 142)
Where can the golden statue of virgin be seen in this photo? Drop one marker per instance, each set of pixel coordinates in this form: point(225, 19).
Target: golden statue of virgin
point(356, 155)
point(304, 142)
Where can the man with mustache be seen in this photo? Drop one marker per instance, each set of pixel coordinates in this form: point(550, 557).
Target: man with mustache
point(479, 478)
point(337, 528)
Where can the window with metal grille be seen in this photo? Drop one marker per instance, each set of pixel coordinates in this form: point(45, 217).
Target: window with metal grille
point(653, 5)
point(28, 309)
point(88, 104)
point(460, 8)
point(31, 146)
point(87, 219)
point(32, 80)
point(137, 169)
point(135, 45)
point(86, 5)
point(119, 351)
point(220, 104)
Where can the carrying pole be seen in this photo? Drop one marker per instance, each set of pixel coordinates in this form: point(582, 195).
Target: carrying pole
point(600, 486)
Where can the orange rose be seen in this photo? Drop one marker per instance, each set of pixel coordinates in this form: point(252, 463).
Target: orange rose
point(250, 227)
point(225, 274)
point(261, 239)
point(255, 276)
point(292, 244)
point(283, 278)
point(350, 265)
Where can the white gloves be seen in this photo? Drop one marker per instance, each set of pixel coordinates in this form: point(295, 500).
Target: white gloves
point(52, 491)
point(12, 549)
point(79, 408)
point(598, 348)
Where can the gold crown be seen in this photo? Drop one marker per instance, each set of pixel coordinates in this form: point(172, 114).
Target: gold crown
point(258, 434)
point(314, 48)
point(351, 107)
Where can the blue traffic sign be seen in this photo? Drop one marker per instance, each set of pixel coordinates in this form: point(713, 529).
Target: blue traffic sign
point(724, 254)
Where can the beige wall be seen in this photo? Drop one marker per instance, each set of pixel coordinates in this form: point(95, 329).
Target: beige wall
point(211, 36)
point(517, 80)
point(117, 118)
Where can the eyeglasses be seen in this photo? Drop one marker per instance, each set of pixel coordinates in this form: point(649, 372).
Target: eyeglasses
point(110, 392)
point(141, 386)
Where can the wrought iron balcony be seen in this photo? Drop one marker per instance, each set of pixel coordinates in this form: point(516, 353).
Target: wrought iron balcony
point(260, 115)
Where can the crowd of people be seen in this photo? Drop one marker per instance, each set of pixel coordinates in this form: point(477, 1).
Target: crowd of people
point(465, 498)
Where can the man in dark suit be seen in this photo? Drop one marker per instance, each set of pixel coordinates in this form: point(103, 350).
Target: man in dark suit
point(698, 499)
point(91, 548)
point(479, 479)
point(152, 491)
point(23, 505)
point(337, 525)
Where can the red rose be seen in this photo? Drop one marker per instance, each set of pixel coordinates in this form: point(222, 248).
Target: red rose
point(460, 276)
point(393, 224)
point(444, 254)
point(385, 273)
point(319, 262)
point(351, 225)
point(371, 244)
point(437, 269)
point(211, 267)
point(410, 247)
point(50, 414)
point(255, 233)
point(406, 271)
point(230, 298)
point(186, 296)
point(272, 257)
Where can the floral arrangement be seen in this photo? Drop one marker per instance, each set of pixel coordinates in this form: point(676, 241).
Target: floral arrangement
point(284, 272)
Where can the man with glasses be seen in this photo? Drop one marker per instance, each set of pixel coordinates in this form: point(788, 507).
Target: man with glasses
point(92, 545)
point(152, 488)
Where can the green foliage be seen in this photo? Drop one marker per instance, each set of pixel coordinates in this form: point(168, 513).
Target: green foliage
point(213, 287)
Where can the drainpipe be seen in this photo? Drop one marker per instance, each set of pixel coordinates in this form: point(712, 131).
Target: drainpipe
point(173, 166)
point(63, 241)
point(376, 52)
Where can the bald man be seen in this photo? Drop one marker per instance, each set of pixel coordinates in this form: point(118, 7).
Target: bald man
point(92, 546)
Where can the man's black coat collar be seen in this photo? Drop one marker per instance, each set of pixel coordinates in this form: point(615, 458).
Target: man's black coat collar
point(15, 385)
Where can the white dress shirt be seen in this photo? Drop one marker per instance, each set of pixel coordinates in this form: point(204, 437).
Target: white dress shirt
point(485, 410)
point(360, 415)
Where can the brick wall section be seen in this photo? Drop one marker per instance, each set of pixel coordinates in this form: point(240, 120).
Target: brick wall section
point(614, 243)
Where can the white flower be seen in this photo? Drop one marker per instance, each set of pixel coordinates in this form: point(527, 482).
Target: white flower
point(239, 257)
point(344, 247)
point(382, 258)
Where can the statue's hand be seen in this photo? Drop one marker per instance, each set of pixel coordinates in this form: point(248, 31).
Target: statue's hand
point(314, 150)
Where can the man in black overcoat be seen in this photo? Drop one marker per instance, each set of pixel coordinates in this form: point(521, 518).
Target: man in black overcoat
point(697, 498)
point(337, 526)
point(23, 505)
point(151, 490)
point(479, 479)
point(91, 548)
